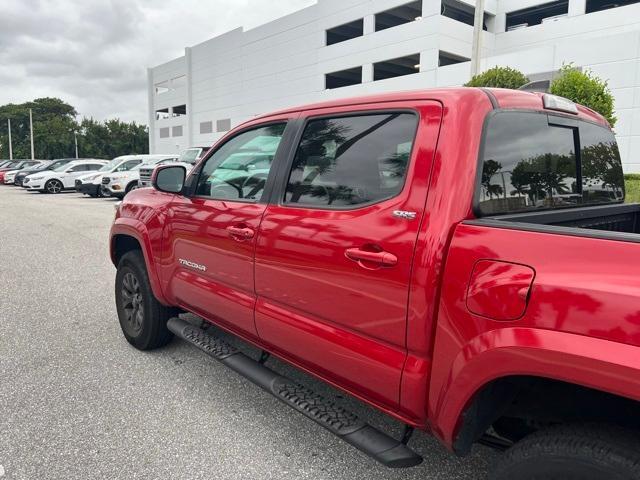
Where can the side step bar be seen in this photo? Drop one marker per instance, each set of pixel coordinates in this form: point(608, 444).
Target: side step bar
point(346, 425)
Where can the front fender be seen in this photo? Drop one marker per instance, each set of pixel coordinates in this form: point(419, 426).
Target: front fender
point(150, 247)
point(591, 362)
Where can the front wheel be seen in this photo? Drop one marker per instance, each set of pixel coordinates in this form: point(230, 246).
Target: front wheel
point(130, 187)
point(142, 318)
point(53, 186)
point(573, 452)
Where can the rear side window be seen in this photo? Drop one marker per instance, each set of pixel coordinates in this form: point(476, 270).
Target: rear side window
point(602, 176)
point(533, 162)
point(351, 161)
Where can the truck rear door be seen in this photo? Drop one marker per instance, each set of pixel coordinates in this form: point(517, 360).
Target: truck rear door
point(335, 248)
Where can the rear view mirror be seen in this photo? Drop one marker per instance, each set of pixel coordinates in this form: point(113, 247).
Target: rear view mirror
point(169, 178)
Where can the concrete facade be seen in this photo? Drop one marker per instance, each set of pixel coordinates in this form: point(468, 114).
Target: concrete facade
point(240, 74)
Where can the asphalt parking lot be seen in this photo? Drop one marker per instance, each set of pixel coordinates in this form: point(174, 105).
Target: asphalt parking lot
point(78, 402)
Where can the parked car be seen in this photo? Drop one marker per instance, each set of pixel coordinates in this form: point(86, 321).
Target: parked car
point(11, 165)
point(63, 177)
point(188, 159)
point(9, 176)
point(420, 251)
point(50, 165)
point(91, 184)
point(119, 183)
point(15, 168)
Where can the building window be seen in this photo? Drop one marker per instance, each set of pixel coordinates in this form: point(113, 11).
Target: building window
point(206, 127)
point(223, 125)
point(461, 12)
point(164, 132)
point(162, 87)
point(399, 15)
point(162, 113)
point(176, 131)
point(544, 13)
point(599, 5)
point(345, 32)
point(179, 110)
point(445, 59)
point(343, 78)
point(396, 67)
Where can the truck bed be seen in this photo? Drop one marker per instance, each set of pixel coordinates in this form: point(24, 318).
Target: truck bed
point(615, 222)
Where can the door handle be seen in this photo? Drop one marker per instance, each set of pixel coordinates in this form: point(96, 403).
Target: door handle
point(383, 258)
point(240, 233)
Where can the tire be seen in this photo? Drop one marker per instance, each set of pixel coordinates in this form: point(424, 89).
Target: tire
point(53, 186)
point(573, 452)
point(143, 319)
point(131, 186)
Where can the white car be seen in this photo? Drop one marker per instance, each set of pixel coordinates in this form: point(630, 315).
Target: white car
point(10, 176)
point(119, 183)
point(188, 159)
point(91, 184)
point(63, 177)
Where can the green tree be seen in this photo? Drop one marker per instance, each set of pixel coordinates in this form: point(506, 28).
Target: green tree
point(499, 77)
point(54, 125)
point(585, 88)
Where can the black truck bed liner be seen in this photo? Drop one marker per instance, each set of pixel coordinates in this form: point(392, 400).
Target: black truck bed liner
point(614, 222)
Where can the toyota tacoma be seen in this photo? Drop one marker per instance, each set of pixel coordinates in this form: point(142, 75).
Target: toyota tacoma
point(460, 259)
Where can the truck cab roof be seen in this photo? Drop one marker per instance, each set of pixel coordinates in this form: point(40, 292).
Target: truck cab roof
point(498, 98)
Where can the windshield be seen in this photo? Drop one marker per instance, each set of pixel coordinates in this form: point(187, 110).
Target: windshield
point(147, 163)
point(190, 155)
point(38, 166)
point(111, 165)
point(61, 168)
point(54, 165)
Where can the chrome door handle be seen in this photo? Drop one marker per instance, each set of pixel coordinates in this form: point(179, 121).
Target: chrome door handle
point(240, 233)
point(383, 258)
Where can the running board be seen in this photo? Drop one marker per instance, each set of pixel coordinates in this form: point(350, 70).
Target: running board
point(342, 423)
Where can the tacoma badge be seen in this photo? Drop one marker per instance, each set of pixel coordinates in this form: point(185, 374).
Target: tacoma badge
point(187, 263)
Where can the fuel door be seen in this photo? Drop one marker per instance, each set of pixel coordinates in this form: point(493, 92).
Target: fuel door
point(499, 290)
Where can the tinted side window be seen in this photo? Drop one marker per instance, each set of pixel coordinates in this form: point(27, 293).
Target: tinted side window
point(527, 164)
point(239, 169)
point(349, 161)
point(602, 177)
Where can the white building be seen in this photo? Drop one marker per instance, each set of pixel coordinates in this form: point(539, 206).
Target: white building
point(342, 48)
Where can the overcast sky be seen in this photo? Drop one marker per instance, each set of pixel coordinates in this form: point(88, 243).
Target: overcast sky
point(94, 53)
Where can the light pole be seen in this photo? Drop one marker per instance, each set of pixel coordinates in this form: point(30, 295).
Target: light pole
point(10, 145)
point(476, 48)
point(75, 139)
point(33, 156)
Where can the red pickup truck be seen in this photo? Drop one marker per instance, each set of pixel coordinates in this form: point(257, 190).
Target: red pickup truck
point(460, 259)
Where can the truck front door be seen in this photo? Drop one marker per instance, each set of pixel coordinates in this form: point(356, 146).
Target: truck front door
point(209, 236)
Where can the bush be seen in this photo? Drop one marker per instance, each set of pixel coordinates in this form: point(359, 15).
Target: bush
point(586, 89)
point(499, 77)
point(632, 187)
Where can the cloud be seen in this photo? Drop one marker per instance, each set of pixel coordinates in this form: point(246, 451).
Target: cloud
point(94, 53)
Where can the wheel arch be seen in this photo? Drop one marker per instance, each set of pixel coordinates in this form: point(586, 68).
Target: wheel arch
point(129, 235)
point(487, 374)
